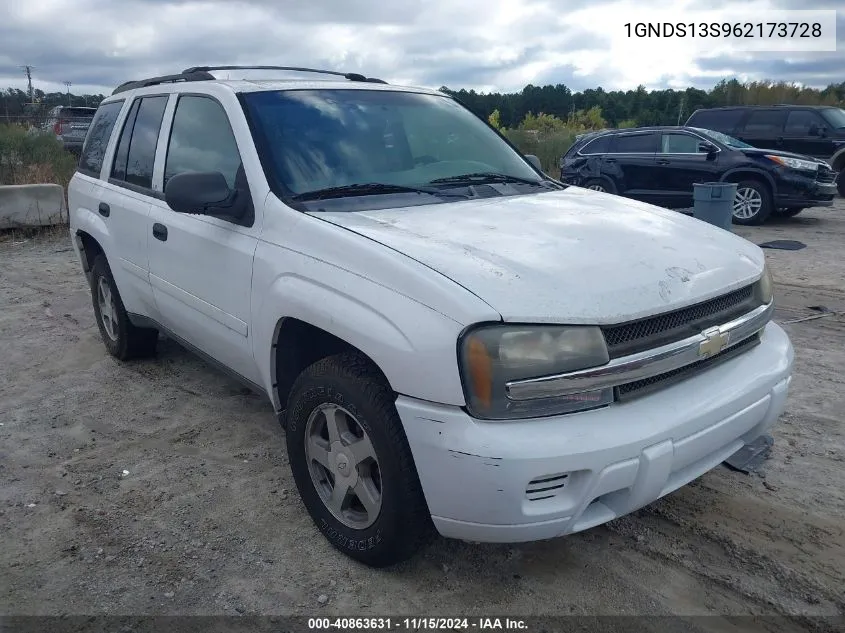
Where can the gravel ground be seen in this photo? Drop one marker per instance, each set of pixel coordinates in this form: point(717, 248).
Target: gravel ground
point(161, 487)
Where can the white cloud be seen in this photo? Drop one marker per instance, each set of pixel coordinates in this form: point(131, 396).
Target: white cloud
point(481, 44)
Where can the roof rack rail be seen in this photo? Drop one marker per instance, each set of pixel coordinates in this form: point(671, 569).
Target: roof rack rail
point(202, 73)
point(349, 76)
point(164, 79)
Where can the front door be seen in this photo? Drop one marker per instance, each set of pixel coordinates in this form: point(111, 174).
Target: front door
point(806, 132)
point(679, 165)
point(201, 266)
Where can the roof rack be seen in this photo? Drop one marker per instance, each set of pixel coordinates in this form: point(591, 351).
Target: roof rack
point(203, 73)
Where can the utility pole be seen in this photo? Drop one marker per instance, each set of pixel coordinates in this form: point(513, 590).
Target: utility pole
point(681, 108)
point(68, 85)
point(28, 70)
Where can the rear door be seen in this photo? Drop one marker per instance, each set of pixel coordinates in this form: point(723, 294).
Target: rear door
point(763, 128)
point(125, 201)
point(725, 121)
point(805, 132)
point(630, 163)
point(679, 165)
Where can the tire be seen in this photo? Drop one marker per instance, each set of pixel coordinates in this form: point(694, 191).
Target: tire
point(759, 203)
point(840, 182)
point(599, 184)
point(123, 340)
point(347, 388)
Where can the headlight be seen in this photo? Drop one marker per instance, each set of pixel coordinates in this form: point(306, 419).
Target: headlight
point(493, 355)
point(765, 287)
point(794, 163)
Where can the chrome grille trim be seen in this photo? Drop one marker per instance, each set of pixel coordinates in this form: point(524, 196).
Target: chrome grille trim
point(642, 365)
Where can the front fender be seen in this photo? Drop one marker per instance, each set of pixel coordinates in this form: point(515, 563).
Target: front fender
point(413, 345)
point(751, 170)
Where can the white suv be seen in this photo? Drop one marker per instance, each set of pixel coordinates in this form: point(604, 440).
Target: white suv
point(453, 341)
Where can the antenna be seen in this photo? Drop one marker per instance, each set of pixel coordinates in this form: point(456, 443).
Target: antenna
point(68, 84)
point(28, 70)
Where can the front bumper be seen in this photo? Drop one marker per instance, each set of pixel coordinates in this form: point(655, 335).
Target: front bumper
point(537, 479)
point(796, 190)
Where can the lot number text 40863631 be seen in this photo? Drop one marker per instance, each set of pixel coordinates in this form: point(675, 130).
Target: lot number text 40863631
point(416, 624)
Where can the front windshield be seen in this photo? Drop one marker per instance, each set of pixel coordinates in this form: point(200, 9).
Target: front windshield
point(314, 140)
point(834, 116)
point(724, 139)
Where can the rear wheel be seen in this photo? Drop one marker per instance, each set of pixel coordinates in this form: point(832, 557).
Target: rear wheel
point(352, 464)
point(752, 203)
point(122, 339)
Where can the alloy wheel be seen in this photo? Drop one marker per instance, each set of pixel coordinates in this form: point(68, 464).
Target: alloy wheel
point(108, 310)
point(343, 466)
point(747, 203)
point(597, 188)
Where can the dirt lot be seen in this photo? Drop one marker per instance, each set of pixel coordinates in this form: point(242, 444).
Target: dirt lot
point(161, 487)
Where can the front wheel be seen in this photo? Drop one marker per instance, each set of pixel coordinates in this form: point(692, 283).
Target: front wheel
point(352, 464)
point(752, 203)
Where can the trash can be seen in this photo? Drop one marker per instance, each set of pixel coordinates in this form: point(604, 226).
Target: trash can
point(713, 202)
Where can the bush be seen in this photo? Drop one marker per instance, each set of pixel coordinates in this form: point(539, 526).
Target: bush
point(29, 156)
point(548, 147)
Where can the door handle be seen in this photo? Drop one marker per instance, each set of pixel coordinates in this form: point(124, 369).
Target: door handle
point(610, 160)
point(104, 209)
point(663, 161)
point(160, 232)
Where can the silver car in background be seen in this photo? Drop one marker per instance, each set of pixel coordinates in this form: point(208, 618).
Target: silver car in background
point(70, 125)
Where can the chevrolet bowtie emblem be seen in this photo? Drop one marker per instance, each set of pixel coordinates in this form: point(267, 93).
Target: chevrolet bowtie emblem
point(715, 341)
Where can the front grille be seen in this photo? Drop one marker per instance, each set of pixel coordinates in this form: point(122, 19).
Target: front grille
point(646, 334)
point(825, 175)
point(642, 387)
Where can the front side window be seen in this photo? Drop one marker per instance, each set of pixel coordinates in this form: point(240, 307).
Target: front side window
point(201, 139)
point(314, 140)
point(835, 117)
point(800, 122)
point(679, 144)
point(97, 139)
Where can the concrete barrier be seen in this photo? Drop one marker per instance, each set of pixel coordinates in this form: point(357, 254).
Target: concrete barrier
point(23, 206)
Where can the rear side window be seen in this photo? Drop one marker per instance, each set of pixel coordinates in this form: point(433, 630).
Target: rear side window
point(718, 120)
point(765, 122)
point(201, 139)
point(94, 149)
point(636, 143)
point(133, 161)
point(600, 145)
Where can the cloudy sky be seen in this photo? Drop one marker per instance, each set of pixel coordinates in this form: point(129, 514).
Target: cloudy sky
point(483, 44)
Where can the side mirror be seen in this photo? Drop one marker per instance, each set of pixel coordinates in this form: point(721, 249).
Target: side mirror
point(706, 148)
point(198, 192)
point(534, 161)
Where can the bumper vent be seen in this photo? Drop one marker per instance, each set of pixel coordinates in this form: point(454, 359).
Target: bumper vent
point(651, 332)
point(545, 487)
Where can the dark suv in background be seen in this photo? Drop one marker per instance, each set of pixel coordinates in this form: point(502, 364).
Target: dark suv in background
point(660, 165)
point(817, 131)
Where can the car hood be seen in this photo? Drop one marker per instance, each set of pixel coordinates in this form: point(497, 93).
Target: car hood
point(574, 256)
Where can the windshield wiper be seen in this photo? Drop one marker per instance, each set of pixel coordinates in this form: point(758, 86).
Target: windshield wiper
point(371, 189)
point(483, 178)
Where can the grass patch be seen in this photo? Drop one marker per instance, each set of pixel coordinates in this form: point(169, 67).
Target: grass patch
point(548, 147)
point(33, 157)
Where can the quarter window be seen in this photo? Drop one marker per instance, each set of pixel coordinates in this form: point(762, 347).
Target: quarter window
point(600, 145)
point(97, 139)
